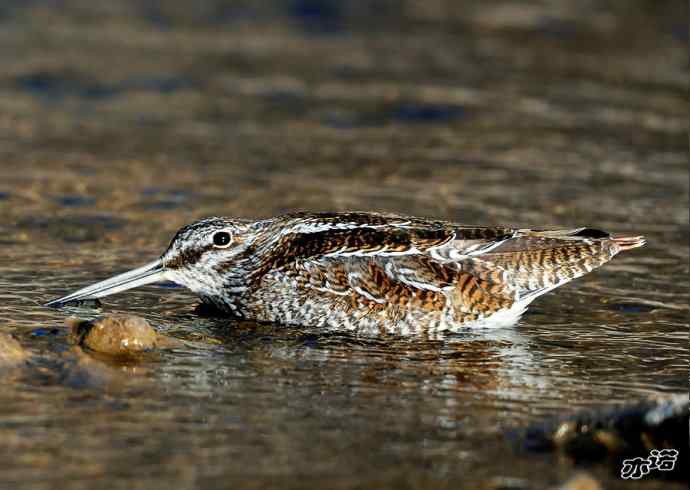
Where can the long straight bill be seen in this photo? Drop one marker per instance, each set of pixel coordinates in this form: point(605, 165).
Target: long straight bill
point(151, 272)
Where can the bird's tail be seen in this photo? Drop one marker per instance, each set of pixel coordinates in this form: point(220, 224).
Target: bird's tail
point(536, 261)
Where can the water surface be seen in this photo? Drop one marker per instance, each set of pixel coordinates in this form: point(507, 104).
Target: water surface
point(122, 121)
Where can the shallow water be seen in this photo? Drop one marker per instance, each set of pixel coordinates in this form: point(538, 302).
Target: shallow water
point(121, 122)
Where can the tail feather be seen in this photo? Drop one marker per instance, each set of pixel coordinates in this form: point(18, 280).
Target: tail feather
point(582, 232)
point(629, 242)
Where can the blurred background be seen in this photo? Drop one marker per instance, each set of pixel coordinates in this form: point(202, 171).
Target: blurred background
point(122, 120)
point(153, 113)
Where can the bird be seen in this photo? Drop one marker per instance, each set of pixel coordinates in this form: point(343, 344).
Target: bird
point(367, 271)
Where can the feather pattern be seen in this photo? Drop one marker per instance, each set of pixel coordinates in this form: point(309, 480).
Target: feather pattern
point(370, 272)
point(395, 274)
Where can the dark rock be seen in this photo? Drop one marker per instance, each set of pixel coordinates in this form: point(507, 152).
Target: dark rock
point(616, 433)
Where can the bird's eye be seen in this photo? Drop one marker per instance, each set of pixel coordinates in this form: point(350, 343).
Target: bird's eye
point(222, 239)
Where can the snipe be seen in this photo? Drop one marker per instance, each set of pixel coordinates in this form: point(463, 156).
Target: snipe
point(368, 271)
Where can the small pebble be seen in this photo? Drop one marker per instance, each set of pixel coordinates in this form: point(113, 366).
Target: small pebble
point(581, 481)
point(11, 351)
point(114, 334)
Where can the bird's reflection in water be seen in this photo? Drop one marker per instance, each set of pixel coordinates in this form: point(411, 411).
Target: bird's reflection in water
point(496, 363)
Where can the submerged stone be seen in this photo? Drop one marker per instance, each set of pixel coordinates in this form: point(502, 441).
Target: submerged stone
point(114, 334)
point(11, 351)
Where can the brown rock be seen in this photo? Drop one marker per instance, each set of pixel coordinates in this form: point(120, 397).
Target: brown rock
point(114, 334)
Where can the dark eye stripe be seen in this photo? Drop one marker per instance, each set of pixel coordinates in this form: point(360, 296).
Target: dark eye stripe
point(188, 257)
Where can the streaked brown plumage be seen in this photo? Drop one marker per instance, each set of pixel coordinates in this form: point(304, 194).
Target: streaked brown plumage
point(371, 272)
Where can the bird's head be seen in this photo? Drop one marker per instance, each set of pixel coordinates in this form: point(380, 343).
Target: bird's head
point(205, 257)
